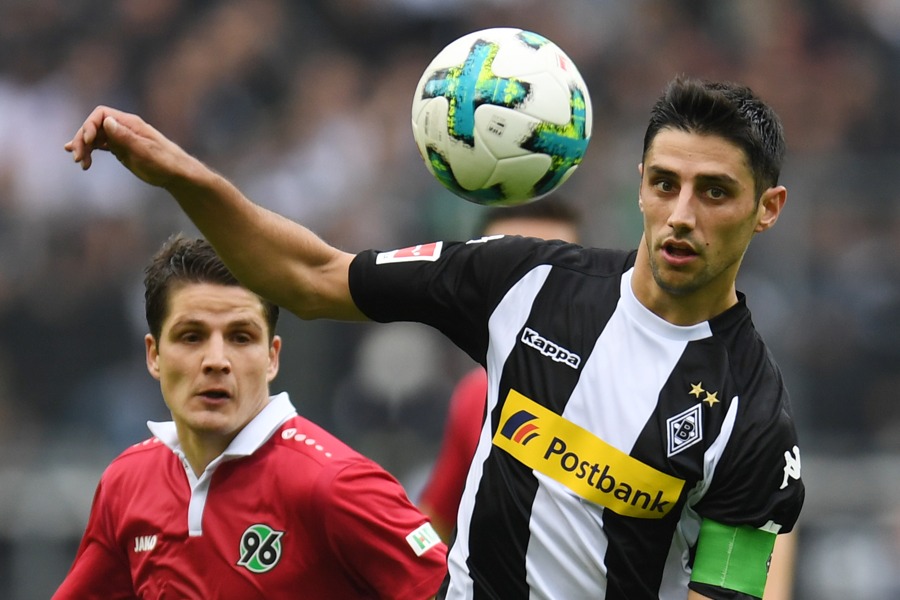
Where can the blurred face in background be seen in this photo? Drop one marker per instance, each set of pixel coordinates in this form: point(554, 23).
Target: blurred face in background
point(547, 229)
point(214, 360)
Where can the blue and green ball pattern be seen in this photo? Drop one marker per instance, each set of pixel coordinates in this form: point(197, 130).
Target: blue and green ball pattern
point(473, 84)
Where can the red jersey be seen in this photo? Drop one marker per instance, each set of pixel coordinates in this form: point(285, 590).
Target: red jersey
point(287, 511)
point(464, 420)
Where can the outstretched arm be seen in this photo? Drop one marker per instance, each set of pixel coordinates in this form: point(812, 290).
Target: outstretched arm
point(273, 256)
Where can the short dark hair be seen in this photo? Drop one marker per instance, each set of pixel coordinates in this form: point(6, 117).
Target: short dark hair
point(725, 109)
point(551, 208)
point(183, 260)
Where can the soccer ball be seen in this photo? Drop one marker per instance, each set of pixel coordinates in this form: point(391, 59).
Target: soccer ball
point(501, 117)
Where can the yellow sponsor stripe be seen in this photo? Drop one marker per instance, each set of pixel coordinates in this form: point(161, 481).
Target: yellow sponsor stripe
point(584, 463)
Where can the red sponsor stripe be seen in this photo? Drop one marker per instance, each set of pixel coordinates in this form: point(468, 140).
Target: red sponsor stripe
point(523, 431)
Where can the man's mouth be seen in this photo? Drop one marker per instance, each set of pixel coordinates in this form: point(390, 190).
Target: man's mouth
point(678, 251)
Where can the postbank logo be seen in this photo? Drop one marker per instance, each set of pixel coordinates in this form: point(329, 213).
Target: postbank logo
point(520, 428)
point(576, 458)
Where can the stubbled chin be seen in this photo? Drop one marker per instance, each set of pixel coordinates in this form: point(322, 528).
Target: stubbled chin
point(211, 420)
point(672, 279)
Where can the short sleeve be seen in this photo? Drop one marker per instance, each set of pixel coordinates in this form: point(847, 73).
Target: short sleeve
point(100, 570)
point(381, 539)
point(758, 482)
point(451, 286)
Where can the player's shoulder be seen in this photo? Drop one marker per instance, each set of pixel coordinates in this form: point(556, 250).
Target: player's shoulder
point(305, 440)
point(139, 459)
point(144, 450)
point(507, 248)
point(557, 250)
point(474, 379)
point(328, 465)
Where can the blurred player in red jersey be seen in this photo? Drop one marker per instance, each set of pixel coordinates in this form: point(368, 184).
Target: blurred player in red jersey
point(549, 219)
point(239, 497)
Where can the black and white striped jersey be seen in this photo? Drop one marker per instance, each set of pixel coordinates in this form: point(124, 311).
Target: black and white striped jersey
point(611, 433)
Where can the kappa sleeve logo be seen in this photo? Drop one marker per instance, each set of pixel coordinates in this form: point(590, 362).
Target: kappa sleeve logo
point(791, 466)
point(422, 252)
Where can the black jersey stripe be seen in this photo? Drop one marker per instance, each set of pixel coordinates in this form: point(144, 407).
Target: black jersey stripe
point(508, 488)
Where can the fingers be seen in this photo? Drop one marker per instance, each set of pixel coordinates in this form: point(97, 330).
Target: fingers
point(138, 146)
point(91, 136)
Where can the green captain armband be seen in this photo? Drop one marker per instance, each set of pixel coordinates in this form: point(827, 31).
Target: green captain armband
point(733, 557)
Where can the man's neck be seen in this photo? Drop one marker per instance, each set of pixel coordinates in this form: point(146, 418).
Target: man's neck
point(685, 309)
point(200, 449)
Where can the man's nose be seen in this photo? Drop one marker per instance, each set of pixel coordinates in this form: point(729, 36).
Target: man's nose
point(215, 357)
point(683, 216)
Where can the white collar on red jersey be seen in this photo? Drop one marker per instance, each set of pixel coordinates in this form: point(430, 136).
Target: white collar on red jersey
point(256, 433)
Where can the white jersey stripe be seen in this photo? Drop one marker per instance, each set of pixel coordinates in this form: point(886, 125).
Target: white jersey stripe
point(510, 316)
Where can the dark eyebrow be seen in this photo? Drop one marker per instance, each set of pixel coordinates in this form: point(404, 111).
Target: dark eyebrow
point(246, 324)
point(652, 170)
point(188, 323)
point(719, 179)
point(191, 323)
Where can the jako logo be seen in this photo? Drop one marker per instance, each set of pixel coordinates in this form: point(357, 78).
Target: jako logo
point(144, 543)
point(532, 338)
point(519, 428)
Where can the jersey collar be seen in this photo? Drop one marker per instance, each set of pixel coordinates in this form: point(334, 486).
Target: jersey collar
point(252, 436)
point(653, 322)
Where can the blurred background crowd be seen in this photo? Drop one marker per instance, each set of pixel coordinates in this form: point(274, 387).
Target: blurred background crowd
point(305, 105)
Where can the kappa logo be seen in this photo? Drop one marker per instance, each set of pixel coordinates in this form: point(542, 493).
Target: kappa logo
point(791, 466)
point(422, 252)
point(260, 548)
point(144, 543)
point(532, 338)
point(520, 427)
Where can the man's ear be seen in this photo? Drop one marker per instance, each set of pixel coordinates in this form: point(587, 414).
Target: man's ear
point(641, 173)
point(274, 357)
point(152, 355)
point(770, 205)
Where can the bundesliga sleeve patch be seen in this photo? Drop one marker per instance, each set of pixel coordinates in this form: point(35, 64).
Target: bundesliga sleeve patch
point(423, 539)
point(422, 252)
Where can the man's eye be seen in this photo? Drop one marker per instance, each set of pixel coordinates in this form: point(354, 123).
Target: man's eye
point(717, 193)
point(664, 186)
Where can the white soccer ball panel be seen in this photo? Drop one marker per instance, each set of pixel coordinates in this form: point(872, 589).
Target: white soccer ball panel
point(471, 165)
point(549, 99)
point(502, 130)
point(518, 174)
